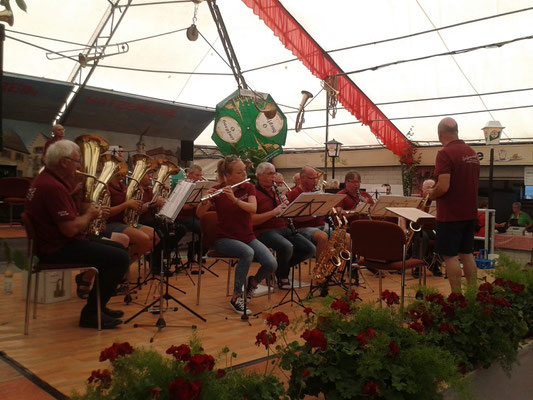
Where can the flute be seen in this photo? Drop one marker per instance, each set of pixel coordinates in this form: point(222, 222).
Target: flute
point(210, 196)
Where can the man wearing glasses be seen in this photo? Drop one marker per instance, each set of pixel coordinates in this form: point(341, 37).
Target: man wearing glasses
point(60, 230)
point(353, 192)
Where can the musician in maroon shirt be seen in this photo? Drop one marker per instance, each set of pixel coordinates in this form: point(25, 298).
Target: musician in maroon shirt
point(61, 231)
point(290, 246)
point(311, 228)
point(234, 233)
point(457, 171)
point(354, 194)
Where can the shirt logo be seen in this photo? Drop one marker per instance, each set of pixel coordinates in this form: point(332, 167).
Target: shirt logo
point(31, 193)
point(63, 213)
point(471, 159)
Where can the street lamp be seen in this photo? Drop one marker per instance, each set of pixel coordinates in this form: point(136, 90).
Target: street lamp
point(334, 148)
point(492, 131)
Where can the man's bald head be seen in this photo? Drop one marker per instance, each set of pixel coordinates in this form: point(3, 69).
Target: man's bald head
point(447, 130)
point(58, 131)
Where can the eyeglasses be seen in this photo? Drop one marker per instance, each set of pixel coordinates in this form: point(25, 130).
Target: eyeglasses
point(269, 173)
point(313, 178)
point(73, 160)
point(353, 181)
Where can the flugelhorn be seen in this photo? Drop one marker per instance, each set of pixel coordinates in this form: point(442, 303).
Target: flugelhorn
point(219, 191)
point(301, 110)
point(7, 16)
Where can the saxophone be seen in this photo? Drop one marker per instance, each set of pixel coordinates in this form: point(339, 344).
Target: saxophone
point(143, 164)
point(344, 255)
point(166, 168)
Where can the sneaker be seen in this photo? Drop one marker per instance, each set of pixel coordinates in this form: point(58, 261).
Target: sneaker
point(284, 284)
point(250, 289)
point(238, 306)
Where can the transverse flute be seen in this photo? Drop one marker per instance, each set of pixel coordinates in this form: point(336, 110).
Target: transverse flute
point(210, 196)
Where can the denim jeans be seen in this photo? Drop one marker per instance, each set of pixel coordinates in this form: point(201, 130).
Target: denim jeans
point(246, 253)
point(291, 249)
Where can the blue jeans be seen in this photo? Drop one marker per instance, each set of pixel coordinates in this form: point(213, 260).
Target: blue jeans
point(291, 249)
point(191, 223)
point(246, 253)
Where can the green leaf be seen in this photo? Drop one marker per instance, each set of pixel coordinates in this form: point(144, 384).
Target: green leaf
point(22, 5)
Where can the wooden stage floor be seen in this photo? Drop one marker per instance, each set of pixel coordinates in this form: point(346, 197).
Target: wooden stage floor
point(63, 355)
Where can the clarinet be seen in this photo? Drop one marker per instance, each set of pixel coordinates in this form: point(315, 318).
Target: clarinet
point(289, 220)
point(361, 200)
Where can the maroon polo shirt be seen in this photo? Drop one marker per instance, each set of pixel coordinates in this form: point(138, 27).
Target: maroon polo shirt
point(49, 203)
point(118, 196)
point(350, 201)
point(267, 200)
point(291, 196)
point(233, 222)
point(50, 142)
point(459, 203)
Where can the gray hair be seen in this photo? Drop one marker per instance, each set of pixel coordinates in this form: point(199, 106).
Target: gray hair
point(194, 167)
point(59, 150)
point(262, 167)
point(517, 204)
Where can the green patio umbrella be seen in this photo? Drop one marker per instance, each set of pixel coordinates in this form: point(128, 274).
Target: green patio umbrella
point(251, 125)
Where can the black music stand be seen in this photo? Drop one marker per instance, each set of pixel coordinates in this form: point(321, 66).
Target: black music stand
point(199, 191)
point(169, 211)
point(311, 204)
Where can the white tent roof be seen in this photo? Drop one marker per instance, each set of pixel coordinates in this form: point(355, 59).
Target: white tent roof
point(334, 24)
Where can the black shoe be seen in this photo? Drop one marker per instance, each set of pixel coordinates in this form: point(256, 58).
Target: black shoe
point(284, 283)
point(436, 272)
point(416, 272)
point(250, 289)
point(91, 321)
point(238, 306)
point(113, 313)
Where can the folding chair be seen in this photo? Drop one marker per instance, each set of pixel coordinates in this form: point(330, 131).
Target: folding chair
point(40, 267)
point(381, 245)
point(13, 192)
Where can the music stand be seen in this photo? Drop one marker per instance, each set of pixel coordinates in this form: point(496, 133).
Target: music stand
point(169, 211)
point(199, 191)
point(311, 204)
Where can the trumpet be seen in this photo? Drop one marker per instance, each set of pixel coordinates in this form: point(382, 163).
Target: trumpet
point(219, 191)
point(300, 116)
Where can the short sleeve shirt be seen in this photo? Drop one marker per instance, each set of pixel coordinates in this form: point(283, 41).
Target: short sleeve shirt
point(523, 218)
point(350, 201)
point(459, 203)
point(291, 196)
point(49, 203)
point(233, 222)
point(267, 200)
point(118, 196)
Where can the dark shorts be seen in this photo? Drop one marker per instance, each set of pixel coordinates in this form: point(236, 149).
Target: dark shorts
point(455, 238)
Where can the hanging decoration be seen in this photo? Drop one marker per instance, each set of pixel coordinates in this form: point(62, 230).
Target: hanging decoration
point(320, 64)
point(251, 125)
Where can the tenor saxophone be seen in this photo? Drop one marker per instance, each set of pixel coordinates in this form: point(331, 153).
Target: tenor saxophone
point(143, 164)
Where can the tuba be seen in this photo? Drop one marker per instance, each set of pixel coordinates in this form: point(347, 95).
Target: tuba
point(300, 116)
point(166, 168)
point(91, 147)
point(143, 164)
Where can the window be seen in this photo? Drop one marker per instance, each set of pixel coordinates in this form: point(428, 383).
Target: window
point(19, 156)
point(528, 192)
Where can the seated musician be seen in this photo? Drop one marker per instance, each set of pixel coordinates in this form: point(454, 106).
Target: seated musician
point(311, 228)
point(60, 231)
point(141, 237)
point(291, 247)
point(147, 218)
point(354, 194)
point(283, 188)
point(234, 233)
point(187, 217)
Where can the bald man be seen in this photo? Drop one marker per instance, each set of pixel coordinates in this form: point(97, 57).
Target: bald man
point(457, 173)
point(58, 133)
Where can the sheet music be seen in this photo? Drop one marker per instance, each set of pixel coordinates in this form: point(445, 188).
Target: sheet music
point(176, 200)
point(380, 209)
point(312, 204)
point(413, 214)
point(200, 190)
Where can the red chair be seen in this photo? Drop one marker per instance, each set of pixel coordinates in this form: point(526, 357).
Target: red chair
point(35, 268)
point(381, 245)
point(13, 191)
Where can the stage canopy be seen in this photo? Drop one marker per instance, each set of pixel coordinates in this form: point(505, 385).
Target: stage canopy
point(416, 60)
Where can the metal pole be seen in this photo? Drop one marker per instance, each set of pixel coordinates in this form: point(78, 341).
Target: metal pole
point(327, 138)
point(491, 172)
point(332, 167)
point(2, 38)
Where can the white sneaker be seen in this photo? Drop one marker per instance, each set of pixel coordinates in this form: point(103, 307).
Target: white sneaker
point(238, 306)
point(297, 284)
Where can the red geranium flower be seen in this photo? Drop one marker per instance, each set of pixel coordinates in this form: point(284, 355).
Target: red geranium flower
point(102, 377)
point(517, 288)
point(435, 298)
point(280, 320)
point(315, 338)
point(308, 311)
point(455, 297)
point(500, 301)
point(484, 297)
point(486, 287)
point(366, 334)
point(181, 352)
point(371, 388)
point(427, 320)
point(265, 338)
point(154, 392)
point(199, 363)
point(417, 312)
point(115, 351)
point(353, 295)
point(390, 297)
point(221, 373)
point(183, 389)
point(417, 326)
point(305, 373)
point(394, 349)
point(448, 310)
point(447, 327)
point(499, 282)
point(341, 306)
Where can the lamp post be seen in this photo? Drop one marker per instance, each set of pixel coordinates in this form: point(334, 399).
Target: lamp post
point(334, 148)
point(492, 131)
